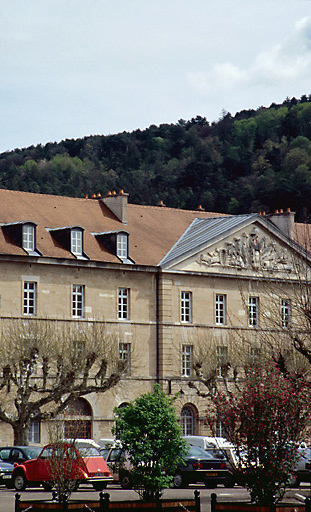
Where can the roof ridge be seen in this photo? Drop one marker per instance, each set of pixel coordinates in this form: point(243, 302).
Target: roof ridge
point(182, 210)
point(41, 194)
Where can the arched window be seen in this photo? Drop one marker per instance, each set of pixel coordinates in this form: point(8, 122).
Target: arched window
point(78, 419)
point(124, 404)
point(188, 421)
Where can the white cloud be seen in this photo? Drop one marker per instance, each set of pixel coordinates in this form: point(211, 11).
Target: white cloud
point(288, 61)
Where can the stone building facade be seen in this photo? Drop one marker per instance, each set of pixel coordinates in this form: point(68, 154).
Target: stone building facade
point(166, 282)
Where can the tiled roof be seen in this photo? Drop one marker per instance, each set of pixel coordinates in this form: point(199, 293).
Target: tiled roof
point(152, 230)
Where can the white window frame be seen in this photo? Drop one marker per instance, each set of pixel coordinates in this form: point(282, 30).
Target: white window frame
point(186, 360)
point(286, 313)
point(187, 421)
point(255, 354)
point(34, 431)
point(220, 309)
point(77, 242)
point(78, 293)
point(28, 237)
point(122, 246)
point(185, 306)
point(221, 358)
point(123, 303)
point(125, 355)
point(253, 311)
point(30, 298)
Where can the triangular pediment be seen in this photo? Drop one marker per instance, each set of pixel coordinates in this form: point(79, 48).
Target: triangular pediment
point(244, 243)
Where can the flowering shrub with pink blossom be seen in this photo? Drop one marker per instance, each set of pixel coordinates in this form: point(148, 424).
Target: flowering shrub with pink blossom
point(265, 420)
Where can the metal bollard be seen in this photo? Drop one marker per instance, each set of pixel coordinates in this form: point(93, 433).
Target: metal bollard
point(17, 501)
point(104, 498)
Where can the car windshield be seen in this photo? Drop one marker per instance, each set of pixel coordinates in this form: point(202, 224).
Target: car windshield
point(32, 452)
point(88, 451)
point(195, 451)
point(115, 454)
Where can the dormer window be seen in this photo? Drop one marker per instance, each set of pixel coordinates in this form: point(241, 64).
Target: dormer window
point(77, 242)
point(122, 251)
point(117, 242)
point(28, 237)
point(71, 238)
point(24, 234)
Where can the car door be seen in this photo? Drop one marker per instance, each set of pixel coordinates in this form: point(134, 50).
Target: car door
point(39, 470)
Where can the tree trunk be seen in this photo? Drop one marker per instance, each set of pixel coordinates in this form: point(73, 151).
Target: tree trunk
point(20, 435)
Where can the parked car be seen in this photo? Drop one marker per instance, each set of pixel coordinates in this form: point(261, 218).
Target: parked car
point(19, 454)
point(64, 457)
point(200, 466)
point(82, 445)
point(6, 470)
point(302, 470)
point(119, 465)
point(206, 442)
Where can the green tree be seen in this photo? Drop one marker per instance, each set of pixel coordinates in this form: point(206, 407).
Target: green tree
point(148, 430)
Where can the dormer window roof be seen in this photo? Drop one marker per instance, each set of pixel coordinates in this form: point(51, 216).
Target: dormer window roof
point(117, 242)
point(71, 238)
point(24, 234)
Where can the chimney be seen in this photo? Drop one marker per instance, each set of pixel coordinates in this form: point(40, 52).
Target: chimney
point(285, 221)
point(117, 203)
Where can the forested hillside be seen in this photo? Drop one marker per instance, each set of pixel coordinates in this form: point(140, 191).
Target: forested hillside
point(257, 160)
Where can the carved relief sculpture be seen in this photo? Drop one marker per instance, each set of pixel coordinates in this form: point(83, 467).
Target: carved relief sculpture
point(250, 251)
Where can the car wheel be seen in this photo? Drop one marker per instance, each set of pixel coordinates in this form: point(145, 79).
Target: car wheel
point(295, 482)
point(47, 486)
point(230, 482)
point(99, 486)
point(126, 481)
point(20, 481)
point(178, 481)
point(209, 484)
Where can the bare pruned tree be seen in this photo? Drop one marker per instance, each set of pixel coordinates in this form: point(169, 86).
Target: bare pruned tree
point(46, 364)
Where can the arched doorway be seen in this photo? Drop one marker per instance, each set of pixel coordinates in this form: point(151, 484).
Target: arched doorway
point(78, 419)
point(188, 420)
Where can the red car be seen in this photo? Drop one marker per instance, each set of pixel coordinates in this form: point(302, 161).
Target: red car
point(62, 460)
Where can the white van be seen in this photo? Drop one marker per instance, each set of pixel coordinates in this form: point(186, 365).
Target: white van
point(207, 443)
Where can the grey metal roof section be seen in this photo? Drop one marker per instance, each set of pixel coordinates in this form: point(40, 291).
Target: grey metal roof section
point(201, 232)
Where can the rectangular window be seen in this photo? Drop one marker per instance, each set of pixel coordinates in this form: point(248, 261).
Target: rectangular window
point(28, 237)
point(186, 306)
point(78, 301)
point(29, 304)
point(186, 360)
point(125, 355)
point(123, 303)
point(286, 313)
point(34, 431)
point(253, 311)
point(220, 309)
point(122, 246)
point(221, 360)
point(76, 241)
point(255, 354)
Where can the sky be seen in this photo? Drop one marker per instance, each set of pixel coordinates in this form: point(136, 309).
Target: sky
point(73, 68)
